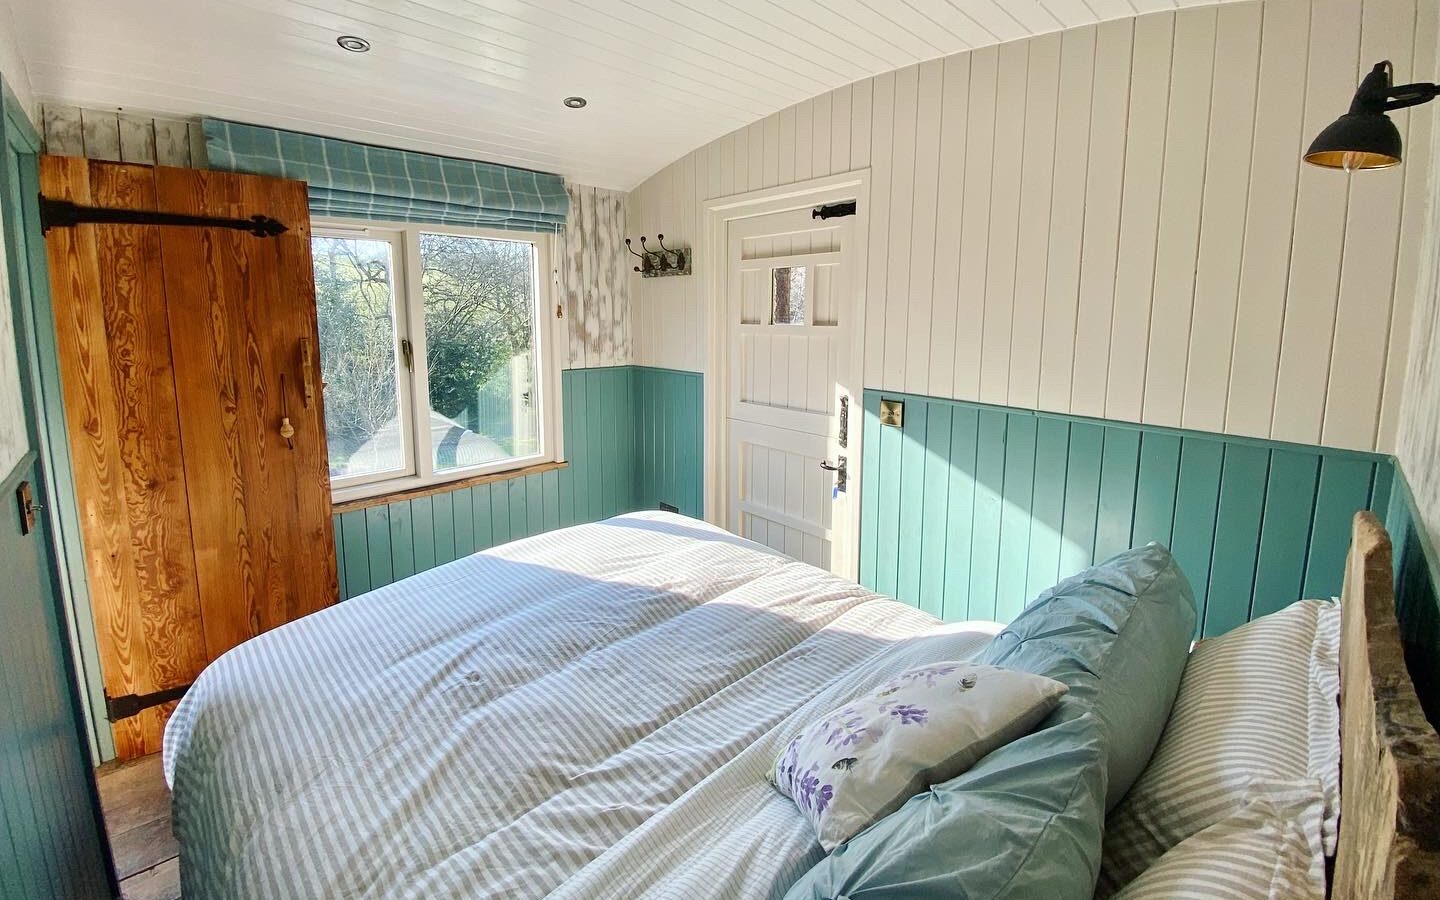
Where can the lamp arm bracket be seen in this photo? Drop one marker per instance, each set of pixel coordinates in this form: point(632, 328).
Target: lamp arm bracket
point(1403, 95)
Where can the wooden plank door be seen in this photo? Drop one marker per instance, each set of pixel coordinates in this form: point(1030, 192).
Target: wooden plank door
point(790, 324)
point(182, 349)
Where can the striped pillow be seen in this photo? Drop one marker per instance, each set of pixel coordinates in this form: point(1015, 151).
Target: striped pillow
point(1256, 704)
point(1269, 849)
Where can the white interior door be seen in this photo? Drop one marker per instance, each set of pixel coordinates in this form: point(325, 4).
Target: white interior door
point(792, 398)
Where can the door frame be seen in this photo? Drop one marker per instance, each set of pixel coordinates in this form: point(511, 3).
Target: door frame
point(32, 294)
point(27, 278)
point(714, 267)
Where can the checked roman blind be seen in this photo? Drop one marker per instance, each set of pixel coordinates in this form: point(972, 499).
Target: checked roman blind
point(361, 181)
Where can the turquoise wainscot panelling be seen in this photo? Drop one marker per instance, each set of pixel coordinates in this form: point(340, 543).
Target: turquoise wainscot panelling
point(52, 843)
point(1417, 600)
point(969, 511)
point(632, 441)
point(669, 440)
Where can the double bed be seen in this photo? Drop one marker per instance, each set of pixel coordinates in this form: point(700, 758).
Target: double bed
point(590, 712)
point(593, 713)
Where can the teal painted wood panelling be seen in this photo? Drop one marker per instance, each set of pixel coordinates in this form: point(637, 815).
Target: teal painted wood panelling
point(669, 439)
point(1417, 594)
point(52, 841)
point(633, 439)
point(969, 511)
point(52, 844)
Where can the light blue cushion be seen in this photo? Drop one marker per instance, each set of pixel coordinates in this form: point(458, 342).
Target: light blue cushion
point(1117, 635)
point(1025, 822)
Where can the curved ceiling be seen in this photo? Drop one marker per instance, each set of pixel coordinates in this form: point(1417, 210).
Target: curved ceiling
point(485, 78)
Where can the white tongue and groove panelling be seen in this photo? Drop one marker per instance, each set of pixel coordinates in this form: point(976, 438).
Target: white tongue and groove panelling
point(1111, 221)
point(589, 258)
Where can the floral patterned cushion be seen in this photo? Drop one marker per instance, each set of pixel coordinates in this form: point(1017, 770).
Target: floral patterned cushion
point(924, 726)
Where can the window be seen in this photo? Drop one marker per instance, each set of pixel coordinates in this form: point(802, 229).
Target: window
point(434, 354)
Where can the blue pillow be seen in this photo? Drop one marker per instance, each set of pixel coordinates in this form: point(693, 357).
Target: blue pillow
point(1117, 635)
point(1025, 822)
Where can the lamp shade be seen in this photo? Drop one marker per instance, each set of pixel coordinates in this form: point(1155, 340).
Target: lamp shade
point(1357, 140)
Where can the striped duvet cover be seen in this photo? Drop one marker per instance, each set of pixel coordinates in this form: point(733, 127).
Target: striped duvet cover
point(587, 713)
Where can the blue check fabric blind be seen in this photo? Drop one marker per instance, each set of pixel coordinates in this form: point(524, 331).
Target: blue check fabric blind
point(360, 181)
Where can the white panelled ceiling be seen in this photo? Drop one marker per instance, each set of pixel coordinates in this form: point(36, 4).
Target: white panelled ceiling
point(485, 78)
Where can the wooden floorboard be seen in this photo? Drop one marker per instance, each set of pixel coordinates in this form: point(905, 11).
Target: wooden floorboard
point(136, 804)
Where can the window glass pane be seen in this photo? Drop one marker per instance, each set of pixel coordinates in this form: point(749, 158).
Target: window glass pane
point(787, 296)
point(479, 298)
point(355, 300)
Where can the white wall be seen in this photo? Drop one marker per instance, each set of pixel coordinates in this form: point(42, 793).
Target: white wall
point(1111, 221)
point(1419, 441)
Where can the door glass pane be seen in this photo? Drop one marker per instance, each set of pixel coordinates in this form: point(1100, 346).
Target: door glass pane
point(479, 296)
point(355, 300)
point(787, 296)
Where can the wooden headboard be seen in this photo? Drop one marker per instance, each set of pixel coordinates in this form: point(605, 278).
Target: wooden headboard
point(1389, 843)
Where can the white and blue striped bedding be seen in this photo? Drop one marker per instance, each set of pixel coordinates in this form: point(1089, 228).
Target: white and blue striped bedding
point(586, 713)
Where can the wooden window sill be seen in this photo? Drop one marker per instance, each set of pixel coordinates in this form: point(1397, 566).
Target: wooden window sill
point(444, 487)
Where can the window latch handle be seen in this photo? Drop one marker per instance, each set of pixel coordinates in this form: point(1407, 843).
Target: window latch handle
point(407, 353)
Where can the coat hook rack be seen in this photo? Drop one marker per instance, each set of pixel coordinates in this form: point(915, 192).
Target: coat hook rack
point(662, 262)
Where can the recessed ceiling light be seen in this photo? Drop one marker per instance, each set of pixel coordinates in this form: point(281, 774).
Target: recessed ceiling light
point(576, 102)
point(353, 44)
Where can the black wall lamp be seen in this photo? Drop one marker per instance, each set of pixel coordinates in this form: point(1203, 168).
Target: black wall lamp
point(1365, 138)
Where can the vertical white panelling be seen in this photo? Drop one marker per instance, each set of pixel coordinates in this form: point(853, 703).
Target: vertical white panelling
point(1412, 275)
point(1372, 235)
point(787, 145)
point(1104, 189)
point(1112, 221)
point(1187, 132)
point(1071, 170)
point(880, 139)
point(922, 230)
point(975, 210)
point(1269, 217)
point(898, 268)
point(1013, 70)
point(841, 111)
point(756, 166)
point(804, 149)
point(1145, 157)
point(1309, 324)
point(1222, 222)
point(946, 290)
point(1037, 169)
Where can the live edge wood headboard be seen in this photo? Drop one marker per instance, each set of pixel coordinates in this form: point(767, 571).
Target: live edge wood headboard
point(1389, 843)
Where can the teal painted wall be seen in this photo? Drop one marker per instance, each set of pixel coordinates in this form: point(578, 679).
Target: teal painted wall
point(969, 511)
point(670, 441)
point(51, 846)
point(1417, 595)
point(632, 439)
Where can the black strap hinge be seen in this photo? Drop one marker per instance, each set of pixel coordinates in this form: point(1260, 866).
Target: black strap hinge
point(128, 705)
point(834, 210)
point(65, 214)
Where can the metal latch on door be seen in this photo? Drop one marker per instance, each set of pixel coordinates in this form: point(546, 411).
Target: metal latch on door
point(841, 474)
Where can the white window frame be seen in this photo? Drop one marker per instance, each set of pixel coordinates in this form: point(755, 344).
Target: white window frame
point(414, 385)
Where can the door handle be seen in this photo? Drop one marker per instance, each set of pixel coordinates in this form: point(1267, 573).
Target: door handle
point(840, 470)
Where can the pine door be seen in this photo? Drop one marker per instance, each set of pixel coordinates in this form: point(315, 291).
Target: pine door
point(183, 352)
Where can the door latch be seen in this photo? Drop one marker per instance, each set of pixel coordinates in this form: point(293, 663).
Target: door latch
point(840, 470)
point(844, 422)
point(29, 509)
